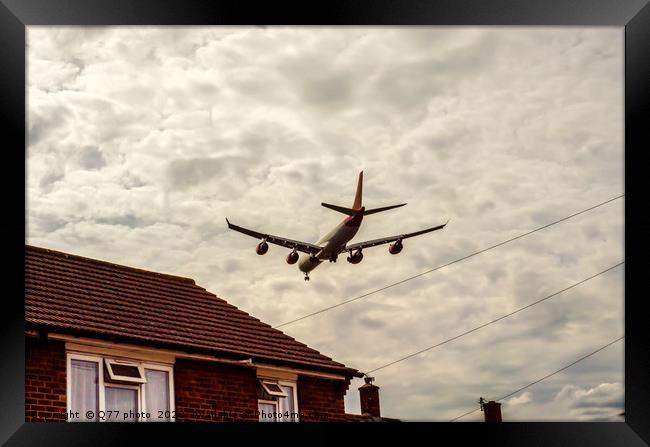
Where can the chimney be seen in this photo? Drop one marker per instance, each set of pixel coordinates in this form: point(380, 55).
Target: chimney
point(492, 411)
point(369, 396)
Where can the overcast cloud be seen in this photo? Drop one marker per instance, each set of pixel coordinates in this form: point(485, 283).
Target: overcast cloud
point(143, 139)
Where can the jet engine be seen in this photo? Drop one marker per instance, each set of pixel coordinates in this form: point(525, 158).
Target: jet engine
point(292, 258)
point(262, 248)
point(395, 248)
point(355, 258)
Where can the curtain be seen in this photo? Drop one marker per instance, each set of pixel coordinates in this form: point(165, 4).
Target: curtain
point(287, 404)
point(122, 400)
point(84, 393)
point(266, 410)
point(157, 394)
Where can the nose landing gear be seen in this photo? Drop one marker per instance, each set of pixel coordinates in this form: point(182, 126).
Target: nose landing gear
point(306, 276)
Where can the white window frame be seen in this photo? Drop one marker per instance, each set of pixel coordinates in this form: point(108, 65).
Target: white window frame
point(99, 360)
point(294, 386)
point(170, 376)
point(100, 380)
point(280, 403)
point(269, 402)
point(109, 367)
point(136, 388)
point(266, 382)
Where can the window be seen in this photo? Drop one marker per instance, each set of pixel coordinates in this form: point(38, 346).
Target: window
point(268, 410)
point(273, 388)
point(277, 401)
point(108, 389)
point(83, 397)
point(157, 392)
point(124, 402)
point(120, 370)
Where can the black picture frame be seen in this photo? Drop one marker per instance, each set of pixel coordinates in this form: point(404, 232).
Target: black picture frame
point(634, 15)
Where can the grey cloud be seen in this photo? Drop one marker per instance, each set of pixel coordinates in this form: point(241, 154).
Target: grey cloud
point(185, 173)
point(51, 176)
point(331, 90)
point(77, 62)
point(50, 223)
point(602, 402)
point(91, 158)
point(231, 265)
point(372, 323)
point(210, 230)
point(130, 181)
point(130, 220)
point(44, 119)
point(612, 402)
point(283, 286)
point(205, 88)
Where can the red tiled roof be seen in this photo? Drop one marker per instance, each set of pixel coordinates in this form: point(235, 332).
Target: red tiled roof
point(72, 293)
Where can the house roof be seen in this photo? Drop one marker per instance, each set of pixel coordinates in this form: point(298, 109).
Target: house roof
point(71, 293)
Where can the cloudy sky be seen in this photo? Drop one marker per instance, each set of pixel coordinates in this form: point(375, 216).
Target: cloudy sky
point(142, 140)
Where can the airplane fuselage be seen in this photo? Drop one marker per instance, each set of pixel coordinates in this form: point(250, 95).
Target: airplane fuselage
point(333, 242)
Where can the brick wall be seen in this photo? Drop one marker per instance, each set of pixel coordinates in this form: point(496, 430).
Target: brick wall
point(203, 391)
point(214, 392)
point(321, 399)
point(45, 380)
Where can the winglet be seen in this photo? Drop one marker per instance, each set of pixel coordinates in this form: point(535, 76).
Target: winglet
point(228, 222)
point(357, 197)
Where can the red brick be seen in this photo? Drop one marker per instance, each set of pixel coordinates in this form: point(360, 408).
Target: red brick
point(205, 399)
point(204, 391)
point(45, 366)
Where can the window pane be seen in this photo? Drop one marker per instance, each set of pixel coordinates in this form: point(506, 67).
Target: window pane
point(267, 411)
point(121, 404)
point(84, 389)
point(125, 370)
point(157, 395)
point(287, 405)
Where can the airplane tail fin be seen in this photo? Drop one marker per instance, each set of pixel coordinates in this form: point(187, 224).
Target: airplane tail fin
point(357, 205)
point(357, 197)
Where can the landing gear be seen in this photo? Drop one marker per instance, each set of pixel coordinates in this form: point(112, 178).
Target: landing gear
point(333, 257)
point(306, 276)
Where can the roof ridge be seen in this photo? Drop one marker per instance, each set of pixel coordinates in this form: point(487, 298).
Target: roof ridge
point(62, 254)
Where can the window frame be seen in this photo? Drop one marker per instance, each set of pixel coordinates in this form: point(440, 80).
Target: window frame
point(265, 382)
point(268, 402)
point(102, 384)
point(135, 387)
point(170, 377)
point(100, 380)
point(109, 362)
point(294, 387)
point(279, 403)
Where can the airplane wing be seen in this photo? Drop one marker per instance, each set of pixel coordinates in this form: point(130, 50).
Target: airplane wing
point(386, 240)
point(304, 247)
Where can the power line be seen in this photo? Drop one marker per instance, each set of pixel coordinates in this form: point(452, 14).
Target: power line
point(495, 320)
point(545, 377)
point(444, 265)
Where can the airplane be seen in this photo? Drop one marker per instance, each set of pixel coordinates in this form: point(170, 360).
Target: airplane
point(336, 241)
